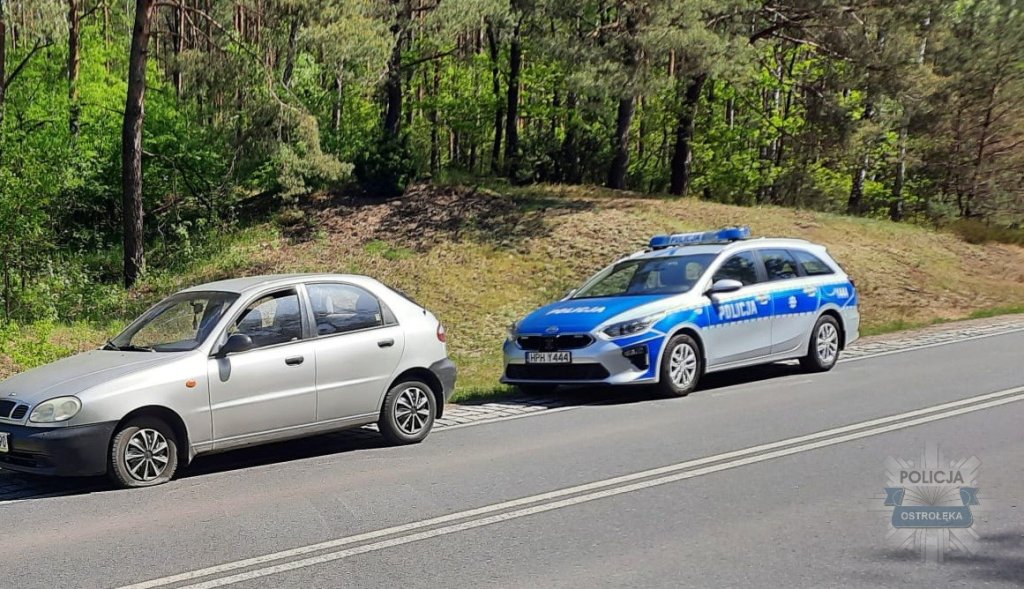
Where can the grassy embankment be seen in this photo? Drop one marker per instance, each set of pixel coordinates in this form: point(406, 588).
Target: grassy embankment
point(480, 259)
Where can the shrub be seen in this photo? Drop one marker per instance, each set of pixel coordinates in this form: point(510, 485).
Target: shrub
point(386, 168)
point(975, 231)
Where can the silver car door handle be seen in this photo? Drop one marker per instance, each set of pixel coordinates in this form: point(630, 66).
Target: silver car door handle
point(294, 360)
point(762, 298)
point(385, 343)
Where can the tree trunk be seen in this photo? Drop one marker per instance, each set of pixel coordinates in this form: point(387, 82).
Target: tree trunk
point(569, 168)
point(74, 60)
point(435, 146)
point(3, 63)
point(896, 205)
point(682, 154)
point(855, 204)
point(499, 109)
point(339, 98)
point(515, 66)
point(620, 144)
point(289, 61)
point(179, 47)
point(131, 144)
point(393, 87)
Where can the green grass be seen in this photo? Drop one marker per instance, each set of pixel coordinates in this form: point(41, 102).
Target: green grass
point(482, 258)
point(996, 311)
point(384, 249)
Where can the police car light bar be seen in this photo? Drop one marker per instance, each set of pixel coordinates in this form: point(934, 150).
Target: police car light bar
point(726, 235)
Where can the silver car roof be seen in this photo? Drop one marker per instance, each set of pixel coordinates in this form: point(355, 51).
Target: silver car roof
point(251, 283)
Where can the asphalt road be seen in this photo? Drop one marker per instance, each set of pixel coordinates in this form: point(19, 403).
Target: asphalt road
point(765, 478)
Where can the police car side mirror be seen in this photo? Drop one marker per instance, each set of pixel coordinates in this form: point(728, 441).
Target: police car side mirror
point(724, 285)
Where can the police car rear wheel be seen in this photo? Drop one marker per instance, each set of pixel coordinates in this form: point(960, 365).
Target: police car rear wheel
point(681, 367)
point(823, 349)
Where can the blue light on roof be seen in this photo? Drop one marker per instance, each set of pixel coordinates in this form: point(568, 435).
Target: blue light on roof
point(725, 235)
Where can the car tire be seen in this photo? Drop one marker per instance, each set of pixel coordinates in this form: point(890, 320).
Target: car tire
point(537, 390)
point(143, 453)
point(823, 349)
point(408, 413)
point(682, 365)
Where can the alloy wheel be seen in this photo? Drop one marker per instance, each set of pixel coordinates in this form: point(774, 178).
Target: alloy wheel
point(683, 365)
point(412, 410)
point(828, 343)
point(146, 455)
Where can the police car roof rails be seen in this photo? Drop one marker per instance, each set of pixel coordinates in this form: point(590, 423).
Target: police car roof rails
point(724, 235)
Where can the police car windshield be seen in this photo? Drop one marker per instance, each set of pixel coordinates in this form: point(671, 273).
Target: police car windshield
point(647, 276)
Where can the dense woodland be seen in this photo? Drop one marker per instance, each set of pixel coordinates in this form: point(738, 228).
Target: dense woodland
point(131, 129)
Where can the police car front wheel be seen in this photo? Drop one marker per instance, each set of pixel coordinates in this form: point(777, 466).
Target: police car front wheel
point(681, 367)
point(823, 349)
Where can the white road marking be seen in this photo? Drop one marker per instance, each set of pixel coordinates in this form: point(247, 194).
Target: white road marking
point(334, 550)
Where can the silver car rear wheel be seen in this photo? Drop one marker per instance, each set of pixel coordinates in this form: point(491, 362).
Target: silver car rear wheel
point(407, 415)
point(412, 410)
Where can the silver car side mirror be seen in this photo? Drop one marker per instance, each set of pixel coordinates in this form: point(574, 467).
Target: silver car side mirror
point(238, 342)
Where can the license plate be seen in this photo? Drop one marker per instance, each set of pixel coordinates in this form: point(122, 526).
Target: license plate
point(549, 357)
point(3, 442)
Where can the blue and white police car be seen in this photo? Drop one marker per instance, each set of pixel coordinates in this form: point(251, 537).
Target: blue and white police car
point(692, 303)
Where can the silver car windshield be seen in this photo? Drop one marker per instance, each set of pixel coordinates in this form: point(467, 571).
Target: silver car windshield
point(648, 276)
point(178, 323)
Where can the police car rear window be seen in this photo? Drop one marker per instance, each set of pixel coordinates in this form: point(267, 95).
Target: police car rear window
point(811, 264)
point(648, 276)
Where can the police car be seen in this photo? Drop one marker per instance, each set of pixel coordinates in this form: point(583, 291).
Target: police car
point(690, 304)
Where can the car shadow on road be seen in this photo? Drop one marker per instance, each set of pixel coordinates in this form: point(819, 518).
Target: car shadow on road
point(997, 559)
point(16, 486)
point(574, 396)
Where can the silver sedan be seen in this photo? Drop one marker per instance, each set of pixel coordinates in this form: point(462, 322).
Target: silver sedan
point(226, 365)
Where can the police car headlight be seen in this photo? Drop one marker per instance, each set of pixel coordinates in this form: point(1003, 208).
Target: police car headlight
point(633, 326)
point(512, 330)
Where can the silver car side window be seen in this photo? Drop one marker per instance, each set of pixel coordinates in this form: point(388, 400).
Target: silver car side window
point(341, 308)
point(271, 319)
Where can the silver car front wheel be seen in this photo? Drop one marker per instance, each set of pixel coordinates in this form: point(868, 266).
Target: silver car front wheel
point(143, 453)
point(146, 455)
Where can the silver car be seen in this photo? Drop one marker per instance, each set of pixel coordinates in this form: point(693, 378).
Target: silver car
point(226, 365)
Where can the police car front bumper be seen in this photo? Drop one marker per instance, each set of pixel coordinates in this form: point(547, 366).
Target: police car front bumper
point(602, 362)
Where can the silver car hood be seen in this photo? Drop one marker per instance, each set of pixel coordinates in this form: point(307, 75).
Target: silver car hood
point(78, 373)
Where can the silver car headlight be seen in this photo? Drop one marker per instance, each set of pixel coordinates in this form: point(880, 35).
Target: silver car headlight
point(512, 329)
point(56, 410)
point(633, 326)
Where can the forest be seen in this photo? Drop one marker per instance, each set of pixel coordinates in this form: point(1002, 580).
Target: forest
point(133, 130)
